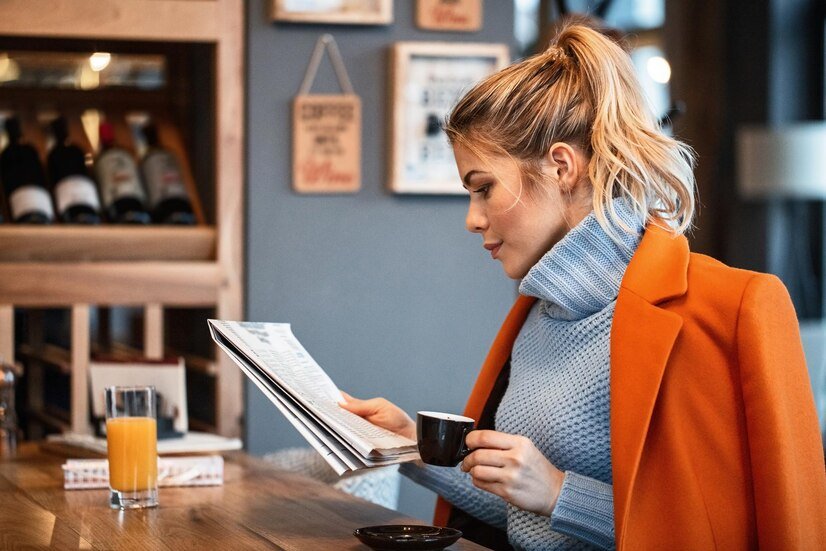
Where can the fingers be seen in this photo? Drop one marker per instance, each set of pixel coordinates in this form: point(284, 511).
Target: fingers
point(358, 407)
point(492, 439)
point(352, 404)
point(483, 473)
point(491, 470)
point(492, 479)
point(363, 407)
point(511, 467)
point(486, 457)
point(492, 487)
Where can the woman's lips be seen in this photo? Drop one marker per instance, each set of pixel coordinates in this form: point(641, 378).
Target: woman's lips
point(493, 248)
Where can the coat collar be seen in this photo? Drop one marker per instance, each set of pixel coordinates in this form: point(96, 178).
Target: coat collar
point(659, 269)
point(642, 337)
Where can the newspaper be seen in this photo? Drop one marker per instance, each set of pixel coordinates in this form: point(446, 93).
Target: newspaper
point(195, 470)
point(274, 360)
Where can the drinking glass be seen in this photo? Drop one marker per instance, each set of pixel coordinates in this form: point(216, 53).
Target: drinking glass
point(131, 442)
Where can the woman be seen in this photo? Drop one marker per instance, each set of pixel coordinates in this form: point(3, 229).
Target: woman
point(639, 396)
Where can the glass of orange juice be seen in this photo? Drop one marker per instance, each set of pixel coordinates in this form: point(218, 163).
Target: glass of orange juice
point(131, 443)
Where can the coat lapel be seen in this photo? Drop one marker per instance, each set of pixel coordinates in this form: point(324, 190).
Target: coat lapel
point(642, 336)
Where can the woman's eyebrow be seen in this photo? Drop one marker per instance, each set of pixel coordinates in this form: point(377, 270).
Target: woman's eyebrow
point(467, 177)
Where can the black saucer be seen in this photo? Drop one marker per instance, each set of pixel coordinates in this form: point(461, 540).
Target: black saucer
point(391, 537)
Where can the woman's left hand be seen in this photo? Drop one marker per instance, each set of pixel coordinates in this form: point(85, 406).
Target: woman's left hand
point(511, 467)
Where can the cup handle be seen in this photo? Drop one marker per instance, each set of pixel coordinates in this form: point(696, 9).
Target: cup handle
point(465, 451)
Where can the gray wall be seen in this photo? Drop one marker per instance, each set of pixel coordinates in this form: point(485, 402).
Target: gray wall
point(391, 295)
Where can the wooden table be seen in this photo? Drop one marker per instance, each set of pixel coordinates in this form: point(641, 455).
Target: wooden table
point(258, 507)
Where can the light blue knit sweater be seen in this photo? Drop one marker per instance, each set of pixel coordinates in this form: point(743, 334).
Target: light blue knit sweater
point(558, 393)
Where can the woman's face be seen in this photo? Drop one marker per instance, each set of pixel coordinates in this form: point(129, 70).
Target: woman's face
point(519, 227)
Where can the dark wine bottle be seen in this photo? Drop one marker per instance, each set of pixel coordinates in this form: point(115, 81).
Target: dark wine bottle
point(24, 181)
point(75, 194)
point(168, 198)
point(121, 192)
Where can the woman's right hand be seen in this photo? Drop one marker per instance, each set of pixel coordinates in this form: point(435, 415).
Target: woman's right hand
point(382, 413)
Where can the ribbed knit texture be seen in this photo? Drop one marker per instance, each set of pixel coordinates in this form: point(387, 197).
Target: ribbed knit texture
point(558, 394)
point(585, 510)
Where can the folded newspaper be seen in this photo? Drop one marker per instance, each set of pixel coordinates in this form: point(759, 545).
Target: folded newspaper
point(273, 359)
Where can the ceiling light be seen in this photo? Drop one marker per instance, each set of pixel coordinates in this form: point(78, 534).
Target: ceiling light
point(659, 69)
point(98, 61)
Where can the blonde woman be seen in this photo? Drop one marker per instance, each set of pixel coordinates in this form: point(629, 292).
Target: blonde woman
point(638, 395)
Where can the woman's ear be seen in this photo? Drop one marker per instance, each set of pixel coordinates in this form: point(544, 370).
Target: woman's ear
point(563, 163)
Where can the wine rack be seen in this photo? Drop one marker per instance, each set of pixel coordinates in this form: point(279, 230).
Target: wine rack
point(200, 120)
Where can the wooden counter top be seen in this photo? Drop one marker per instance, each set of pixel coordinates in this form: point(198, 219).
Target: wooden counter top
point(258, 507)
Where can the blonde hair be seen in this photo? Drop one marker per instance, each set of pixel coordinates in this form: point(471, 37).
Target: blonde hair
point(583, 91)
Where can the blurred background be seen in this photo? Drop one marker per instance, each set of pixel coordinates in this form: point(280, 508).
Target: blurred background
point(386, 289)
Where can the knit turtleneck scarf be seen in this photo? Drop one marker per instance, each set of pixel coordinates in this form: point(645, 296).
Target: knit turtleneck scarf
point(582, 273)
point(558, 394)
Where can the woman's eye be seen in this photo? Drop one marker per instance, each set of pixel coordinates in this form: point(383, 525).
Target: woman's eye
point(482, 190)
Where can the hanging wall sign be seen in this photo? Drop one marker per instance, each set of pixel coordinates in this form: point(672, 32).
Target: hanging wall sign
point(449, 15)
point(326, 132)
point(327, 143)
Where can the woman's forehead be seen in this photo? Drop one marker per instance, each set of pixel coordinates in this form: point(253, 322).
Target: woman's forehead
point(480, 157)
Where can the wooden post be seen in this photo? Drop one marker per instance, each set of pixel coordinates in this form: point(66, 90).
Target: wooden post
point(34, 373)
point(80, 369)
point(104, 333)
point(153, 342)
point(7, 333)
point(229, 199)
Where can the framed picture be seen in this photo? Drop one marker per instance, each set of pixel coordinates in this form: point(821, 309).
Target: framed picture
point(449, 15)
point(427, 78)
point(349, 12)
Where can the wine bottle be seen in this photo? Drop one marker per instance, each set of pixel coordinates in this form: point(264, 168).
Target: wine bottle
point(75, 194)
point(168, 197)
point(121, 192)
point(24, 180)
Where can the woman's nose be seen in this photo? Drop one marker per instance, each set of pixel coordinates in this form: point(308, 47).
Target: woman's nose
point(475, 221)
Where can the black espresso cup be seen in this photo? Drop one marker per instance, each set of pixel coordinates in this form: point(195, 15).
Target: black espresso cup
point(441, 437)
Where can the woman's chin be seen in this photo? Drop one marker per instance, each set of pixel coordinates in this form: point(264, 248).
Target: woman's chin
point(514, 272)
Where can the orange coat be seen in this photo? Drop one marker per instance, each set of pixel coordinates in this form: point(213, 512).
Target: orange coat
point(714, 436)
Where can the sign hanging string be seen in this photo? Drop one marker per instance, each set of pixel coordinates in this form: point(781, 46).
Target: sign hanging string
point(326, 41)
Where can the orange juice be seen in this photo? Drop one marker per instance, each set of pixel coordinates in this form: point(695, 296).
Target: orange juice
point(133, 453)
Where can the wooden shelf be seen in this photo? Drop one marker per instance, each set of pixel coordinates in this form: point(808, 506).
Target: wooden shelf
point(61, 358)
point(56, 284)
point(105, 242)
point(50, 420)
point(57, 413)
point(196, 424)
point(200, 365)
point(121, 19)
point(48, 354)
point(191, 361)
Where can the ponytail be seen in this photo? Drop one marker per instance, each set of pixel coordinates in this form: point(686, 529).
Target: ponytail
point(583, 90)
